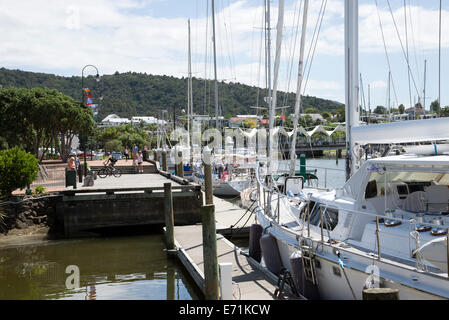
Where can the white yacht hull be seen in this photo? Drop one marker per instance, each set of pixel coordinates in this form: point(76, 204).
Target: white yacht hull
point(331, 281)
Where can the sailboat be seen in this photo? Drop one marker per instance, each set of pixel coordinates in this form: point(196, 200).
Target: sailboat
point(227, 179)
point(386, 227)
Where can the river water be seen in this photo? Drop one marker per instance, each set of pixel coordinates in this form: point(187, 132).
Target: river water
point(110, 267)
point(113, 268)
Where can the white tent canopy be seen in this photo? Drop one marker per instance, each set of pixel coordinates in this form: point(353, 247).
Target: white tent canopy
point(301, 130)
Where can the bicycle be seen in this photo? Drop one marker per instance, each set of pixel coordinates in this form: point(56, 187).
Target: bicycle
point(108, 171)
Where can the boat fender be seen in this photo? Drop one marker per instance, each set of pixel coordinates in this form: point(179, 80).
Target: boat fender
point(255, 233)
point(270, 252)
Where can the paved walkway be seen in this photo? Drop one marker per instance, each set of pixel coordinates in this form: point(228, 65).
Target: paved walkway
point(128, 181)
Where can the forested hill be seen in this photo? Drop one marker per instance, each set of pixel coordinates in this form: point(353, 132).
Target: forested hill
point(140, 94)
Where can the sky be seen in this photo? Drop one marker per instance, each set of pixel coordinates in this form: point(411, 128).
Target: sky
point(61, 37)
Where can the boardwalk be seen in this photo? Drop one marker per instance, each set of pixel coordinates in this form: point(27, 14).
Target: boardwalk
point(53, 179)
point(251, 281)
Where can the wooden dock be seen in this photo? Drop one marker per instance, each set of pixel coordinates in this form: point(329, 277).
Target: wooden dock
point(251, 281)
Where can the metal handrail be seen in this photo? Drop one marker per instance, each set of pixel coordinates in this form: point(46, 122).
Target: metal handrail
point(375, 215)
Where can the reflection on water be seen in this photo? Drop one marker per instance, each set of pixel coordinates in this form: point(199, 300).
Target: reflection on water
point(109, 268)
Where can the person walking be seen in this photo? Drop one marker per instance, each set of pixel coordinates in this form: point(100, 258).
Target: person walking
point(71, 163)
point(126, 153)
point(78, 168)
point(135, 150)
point(145, 152)
point(140, 162)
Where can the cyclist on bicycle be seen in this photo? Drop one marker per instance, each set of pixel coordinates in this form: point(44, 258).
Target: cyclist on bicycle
point(110, 161)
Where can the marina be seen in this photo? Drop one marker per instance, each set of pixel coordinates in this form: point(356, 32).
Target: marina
point(176, 177)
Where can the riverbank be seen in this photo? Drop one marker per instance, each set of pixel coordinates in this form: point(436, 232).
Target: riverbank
point(28, 216)
point(28, 236)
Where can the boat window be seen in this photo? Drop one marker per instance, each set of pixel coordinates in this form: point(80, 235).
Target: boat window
point(315, 215)
point(330, 217)
point(371, 189)
point(410, 181)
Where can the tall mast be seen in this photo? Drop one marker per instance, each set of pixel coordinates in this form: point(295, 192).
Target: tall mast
point(439, 63)
point(388, 90)
point(369, 103)
point(407, 55)
point(298, 91)
point(190, 100)
point(217, 122)
point(268, 68)
point(190, 96)
point(351, 81)
point(424, 89)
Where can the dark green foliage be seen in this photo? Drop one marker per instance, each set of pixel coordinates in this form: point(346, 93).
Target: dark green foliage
point(138, 94)
point(435, 106)
point(40, 190)
point(117, 138)
point(380, 110)
point(35, 118)
point(17, 169)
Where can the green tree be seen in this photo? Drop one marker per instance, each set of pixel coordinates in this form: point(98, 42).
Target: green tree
point(401, 108)
point(435, 106)
point(380, 110)
point(311, 110)
point(17, 170)
point(445, 112)
point(340, 114)
point(34, 118)
point(113, 145)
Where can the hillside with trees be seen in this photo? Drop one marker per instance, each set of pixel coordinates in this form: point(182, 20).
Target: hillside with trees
point(140, 94)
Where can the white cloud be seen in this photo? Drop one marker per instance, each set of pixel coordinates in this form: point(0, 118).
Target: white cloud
point(378, 84)
point(124, 35)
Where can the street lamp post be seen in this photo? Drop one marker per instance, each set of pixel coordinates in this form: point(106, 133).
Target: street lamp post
point(97, 78)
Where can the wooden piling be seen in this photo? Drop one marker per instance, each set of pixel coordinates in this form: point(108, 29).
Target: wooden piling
point(211, 279)
point(380, 294)
point(180, 165)
point(164, 161)
point(208, 186)
point(169, 216)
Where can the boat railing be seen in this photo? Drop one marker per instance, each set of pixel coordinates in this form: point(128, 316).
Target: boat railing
point(270, 193)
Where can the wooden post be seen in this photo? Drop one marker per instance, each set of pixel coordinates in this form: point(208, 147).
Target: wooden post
point(208, 186)
point(155, 155)
point(169, 216)
point(380, 294)
point(211, 280)
point(180, 166)
point(164, 161)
